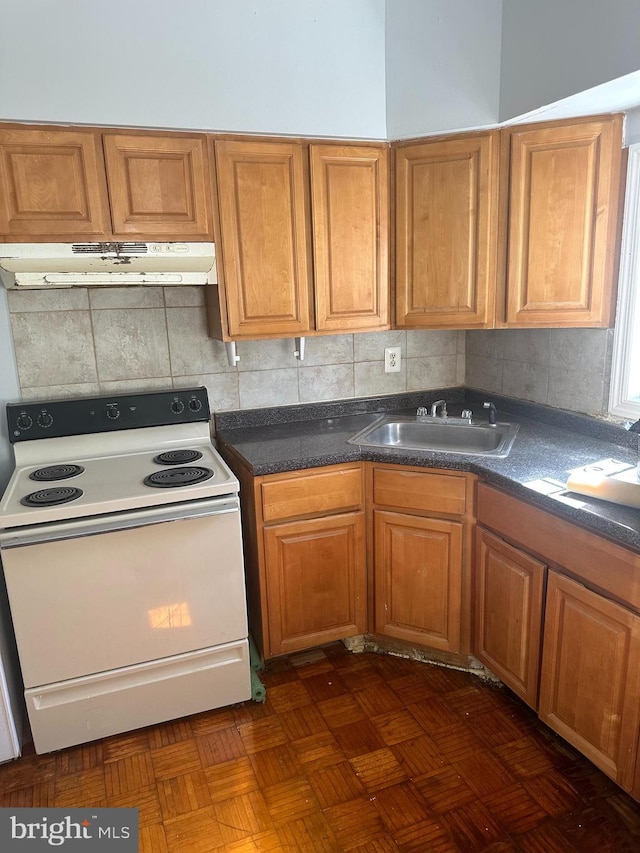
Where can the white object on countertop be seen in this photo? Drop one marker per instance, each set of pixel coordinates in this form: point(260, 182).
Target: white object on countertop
point(603, 481)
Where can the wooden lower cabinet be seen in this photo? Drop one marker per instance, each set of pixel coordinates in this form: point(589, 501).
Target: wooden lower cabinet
point(590, 647)
point(418, 584)
point(509, 592)
point(574, 656)
point(316, 581)
point(421, 529)
point(305, 555)
point(590, 686)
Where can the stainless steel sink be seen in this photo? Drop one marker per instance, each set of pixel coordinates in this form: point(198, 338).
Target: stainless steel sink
point(440, 435)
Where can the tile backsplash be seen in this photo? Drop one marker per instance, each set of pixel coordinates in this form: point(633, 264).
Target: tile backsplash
point(78, 342)
point(564, 368)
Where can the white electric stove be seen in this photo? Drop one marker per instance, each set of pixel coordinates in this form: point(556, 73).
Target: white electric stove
point(121, 546)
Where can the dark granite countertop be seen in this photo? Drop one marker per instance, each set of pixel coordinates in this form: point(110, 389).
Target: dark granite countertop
point(550, 443)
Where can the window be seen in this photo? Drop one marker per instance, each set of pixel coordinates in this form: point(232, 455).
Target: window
point(624, 400)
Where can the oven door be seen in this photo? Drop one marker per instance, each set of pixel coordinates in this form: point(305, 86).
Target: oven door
point(98, 594)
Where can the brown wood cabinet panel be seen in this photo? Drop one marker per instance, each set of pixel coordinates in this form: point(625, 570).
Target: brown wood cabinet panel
point(422, 491)
point(590, 686)
point(599, 563)
point(159, 185)
point(262, 199)
point(446, 232)
point(312, 493)
point(563, 184)
point(316, 581)
point(349, 197)
point(418, 586)
point(52, 185)
point(509, 591)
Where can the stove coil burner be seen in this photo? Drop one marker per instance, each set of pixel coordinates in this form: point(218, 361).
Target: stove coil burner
point(177, 457)
point(56, 472)
point(173, 477)
point(52, 497)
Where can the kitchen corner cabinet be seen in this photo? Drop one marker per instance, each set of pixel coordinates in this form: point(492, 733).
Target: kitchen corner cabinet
point(422, 525)
point(446, 218)
point(83, 184)
point(303, 235)
point(305, 556)
point(508, 594)
point(561, 186)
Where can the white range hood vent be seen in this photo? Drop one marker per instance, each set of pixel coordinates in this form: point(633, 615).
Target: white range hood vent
point(46, 265)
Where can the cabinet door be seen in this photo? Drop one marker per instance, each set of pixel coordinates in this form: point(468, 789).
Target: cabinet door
point(590, 686)
point(52, 184)
point(159, 186)
point(350, 236)
point(418, 579)
point(316, 581)
point(446, 232)
point(265, 246)
point(563, 198)
point(509, 586)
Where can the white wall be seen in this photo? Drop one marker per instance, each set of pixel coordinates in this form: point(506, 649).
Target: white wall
point(554, 48)
point(363, 68)
point(443, 65)
point(9, 388)
point(313, 67)
point(632, 127)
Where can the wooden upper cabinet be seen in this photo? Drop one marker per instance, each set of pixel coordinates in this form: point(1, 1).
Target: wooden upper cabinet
point(446, 232)
point(562, 187)
point(349, 198)
point(82, 184)
point(263, 229)
point(159, 185)
point(52, 184)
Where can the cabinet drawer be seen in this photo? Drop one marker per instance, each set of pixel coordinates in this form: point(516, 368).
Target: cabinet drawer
point(319, 493)
point(420, 490)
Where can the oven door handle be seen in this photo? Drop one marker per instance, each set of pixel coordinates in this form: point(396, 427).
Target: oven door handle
point(22, 537)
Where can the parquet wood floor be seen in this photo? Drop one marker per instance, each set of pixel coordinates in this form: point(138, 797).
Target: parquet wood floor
point(364, 753)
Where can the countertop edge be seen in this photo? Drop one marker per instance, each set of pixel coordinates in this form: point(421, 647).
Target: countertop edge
point(513, 475)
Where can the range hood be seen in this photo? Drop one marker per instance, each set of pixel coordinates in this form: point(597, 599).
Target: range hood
point(48, 265)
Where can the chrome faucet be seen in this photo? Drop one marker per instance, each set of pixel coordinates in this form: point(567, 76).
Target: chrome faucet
point(492, 413)
point(434, 408)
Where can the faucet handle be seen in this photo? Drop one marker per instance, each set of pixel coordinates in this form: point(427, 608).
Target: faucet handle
point(422, 412)
point(467, 414)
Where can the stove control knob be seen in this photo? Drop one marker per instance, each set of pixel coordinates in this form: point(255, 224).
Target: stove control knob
point(24, 421)
point(177, 407)
point(45, 420)
point(112, 413)
point(195, 405)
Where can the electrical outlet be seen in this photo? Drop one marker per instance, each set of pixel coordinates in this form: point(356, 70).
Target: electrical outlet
point(392, 359)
